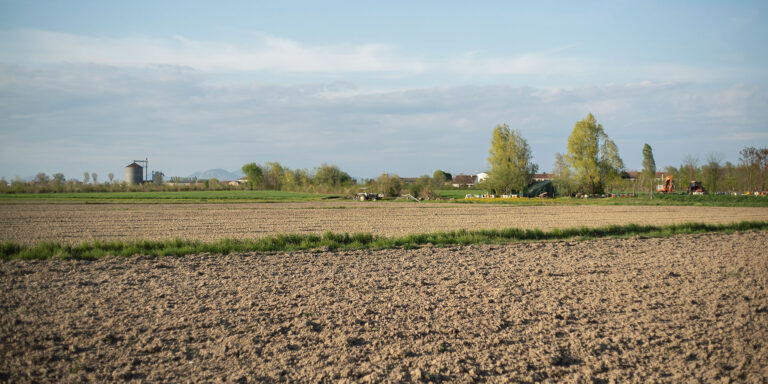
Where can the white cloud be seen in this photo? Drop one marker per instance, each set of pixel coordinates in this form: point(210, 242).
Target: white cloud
point(553, 61)
point(80, 117)
point(263, 53)
point(385, 63)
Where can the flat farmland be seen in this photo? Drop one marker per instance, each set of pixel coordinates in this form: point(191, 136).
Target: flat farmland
point(682, 309)
point(73, 223)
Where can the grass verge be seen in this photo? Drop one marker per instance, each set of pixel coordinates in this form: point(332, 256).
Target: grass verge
point(331, 241)
point(658, 200)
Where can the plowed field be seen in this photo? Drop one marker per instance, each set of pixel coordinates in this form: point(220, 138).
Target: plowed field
point(690, 308)
point(74, 223)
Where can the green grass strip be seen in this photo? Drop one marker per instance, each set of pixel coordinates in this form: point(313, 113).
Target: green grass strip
point(345, 241)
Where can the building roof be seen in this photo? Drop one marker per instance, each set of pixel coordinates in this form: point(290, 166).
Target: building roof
point(634, 174)
point(464, 179)
point(133, 165)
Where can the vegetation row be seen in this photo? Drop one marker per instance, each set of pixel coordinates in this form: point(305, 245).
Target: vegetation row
point(332, 241)
point(591, 165)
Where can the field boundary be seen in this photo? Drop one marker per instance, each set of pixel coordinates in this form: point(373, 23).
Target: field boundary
point(445, 196)
point(331, 241)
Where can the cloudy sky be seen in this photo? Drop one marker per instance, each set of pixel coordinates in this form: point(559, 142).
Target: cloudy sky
point(402, 87)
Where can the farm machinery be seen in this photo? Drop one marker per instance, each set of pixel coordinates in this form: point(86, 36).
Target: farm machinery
point(668, 186)
point(696, 188)
point(363, 196)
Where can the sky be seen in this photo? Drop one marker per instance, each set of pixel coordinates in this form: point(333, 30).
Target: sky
point(400, 87)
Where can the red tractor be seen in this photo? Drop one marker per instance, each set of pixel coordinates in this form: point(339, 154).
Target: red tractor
point(696, 188)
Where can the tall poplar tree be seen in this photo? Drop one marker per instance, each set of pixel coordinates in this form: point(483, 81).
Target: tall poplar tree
point(649, 166)
point(510, 161)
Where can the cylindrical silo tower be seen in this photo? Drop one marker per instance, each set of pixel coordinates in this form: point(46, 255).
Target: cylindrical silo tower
point(134, 173)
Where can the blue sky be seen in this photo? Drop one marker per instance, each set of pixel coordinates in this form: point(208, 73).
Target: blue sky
point(372, 87)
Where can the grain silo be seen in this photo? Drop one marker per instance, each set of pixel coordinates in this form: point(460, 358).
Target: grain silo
point(134, 173)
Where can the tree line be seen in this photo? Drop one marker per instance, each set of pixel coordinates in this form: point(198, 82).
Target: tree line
point(331, 179)
point(326, 178)
point(274, 176)
point(270, 176)
point(592, 165)
point(58, 183)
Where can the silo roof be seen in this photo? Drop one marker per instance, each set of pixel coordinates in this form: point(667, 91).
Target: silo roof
point(133, 165)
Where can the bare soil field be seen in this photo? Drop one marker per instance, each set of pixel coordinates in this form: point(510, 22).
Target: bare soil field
point(689, 308)
point(30, 223)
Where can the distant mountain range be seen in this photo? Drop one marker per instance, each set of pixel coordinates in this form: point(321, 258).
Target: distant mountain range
point(218, 173)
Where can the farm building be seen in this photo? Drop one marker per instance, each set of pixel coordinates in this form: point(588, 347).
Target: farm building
point(633, 175)
point(464, 180)
point(134, 173)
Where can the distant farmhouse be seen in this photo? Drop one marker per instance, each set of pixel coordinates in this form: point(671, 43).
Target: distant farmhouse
point(633, 175)
point(464, 181)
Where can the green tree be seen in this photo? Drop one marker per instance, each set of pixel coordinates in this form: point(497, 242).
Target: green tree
point(157, 178)
point(440, 178)
point(42, 179)
point(510, 161)
point(649, 167)
point(289, 181)
point(563, 176)
point(690, 168)
point(593, 156)
point(332, 176)
point(273, 175)
point(730, 177)
point(111, 177)
point(421, 188)
point(388, 185)
point(58, 179)
point(254, 174)
point(754, 164)
point(649, 164)
point(303, 178)
point(713, 172)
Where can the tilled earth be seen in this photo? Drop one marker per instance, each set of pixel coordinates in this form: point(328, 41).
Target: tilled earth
point(690, 308)
point(74, 223)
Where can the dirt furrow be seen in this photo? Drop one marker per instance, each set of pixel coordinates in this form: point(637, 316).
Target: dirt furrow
point(690, 308)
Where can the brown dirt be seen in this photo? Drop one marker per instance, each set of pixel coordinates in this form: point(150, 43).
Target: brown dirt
point(690, 308)
point(76, 223)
